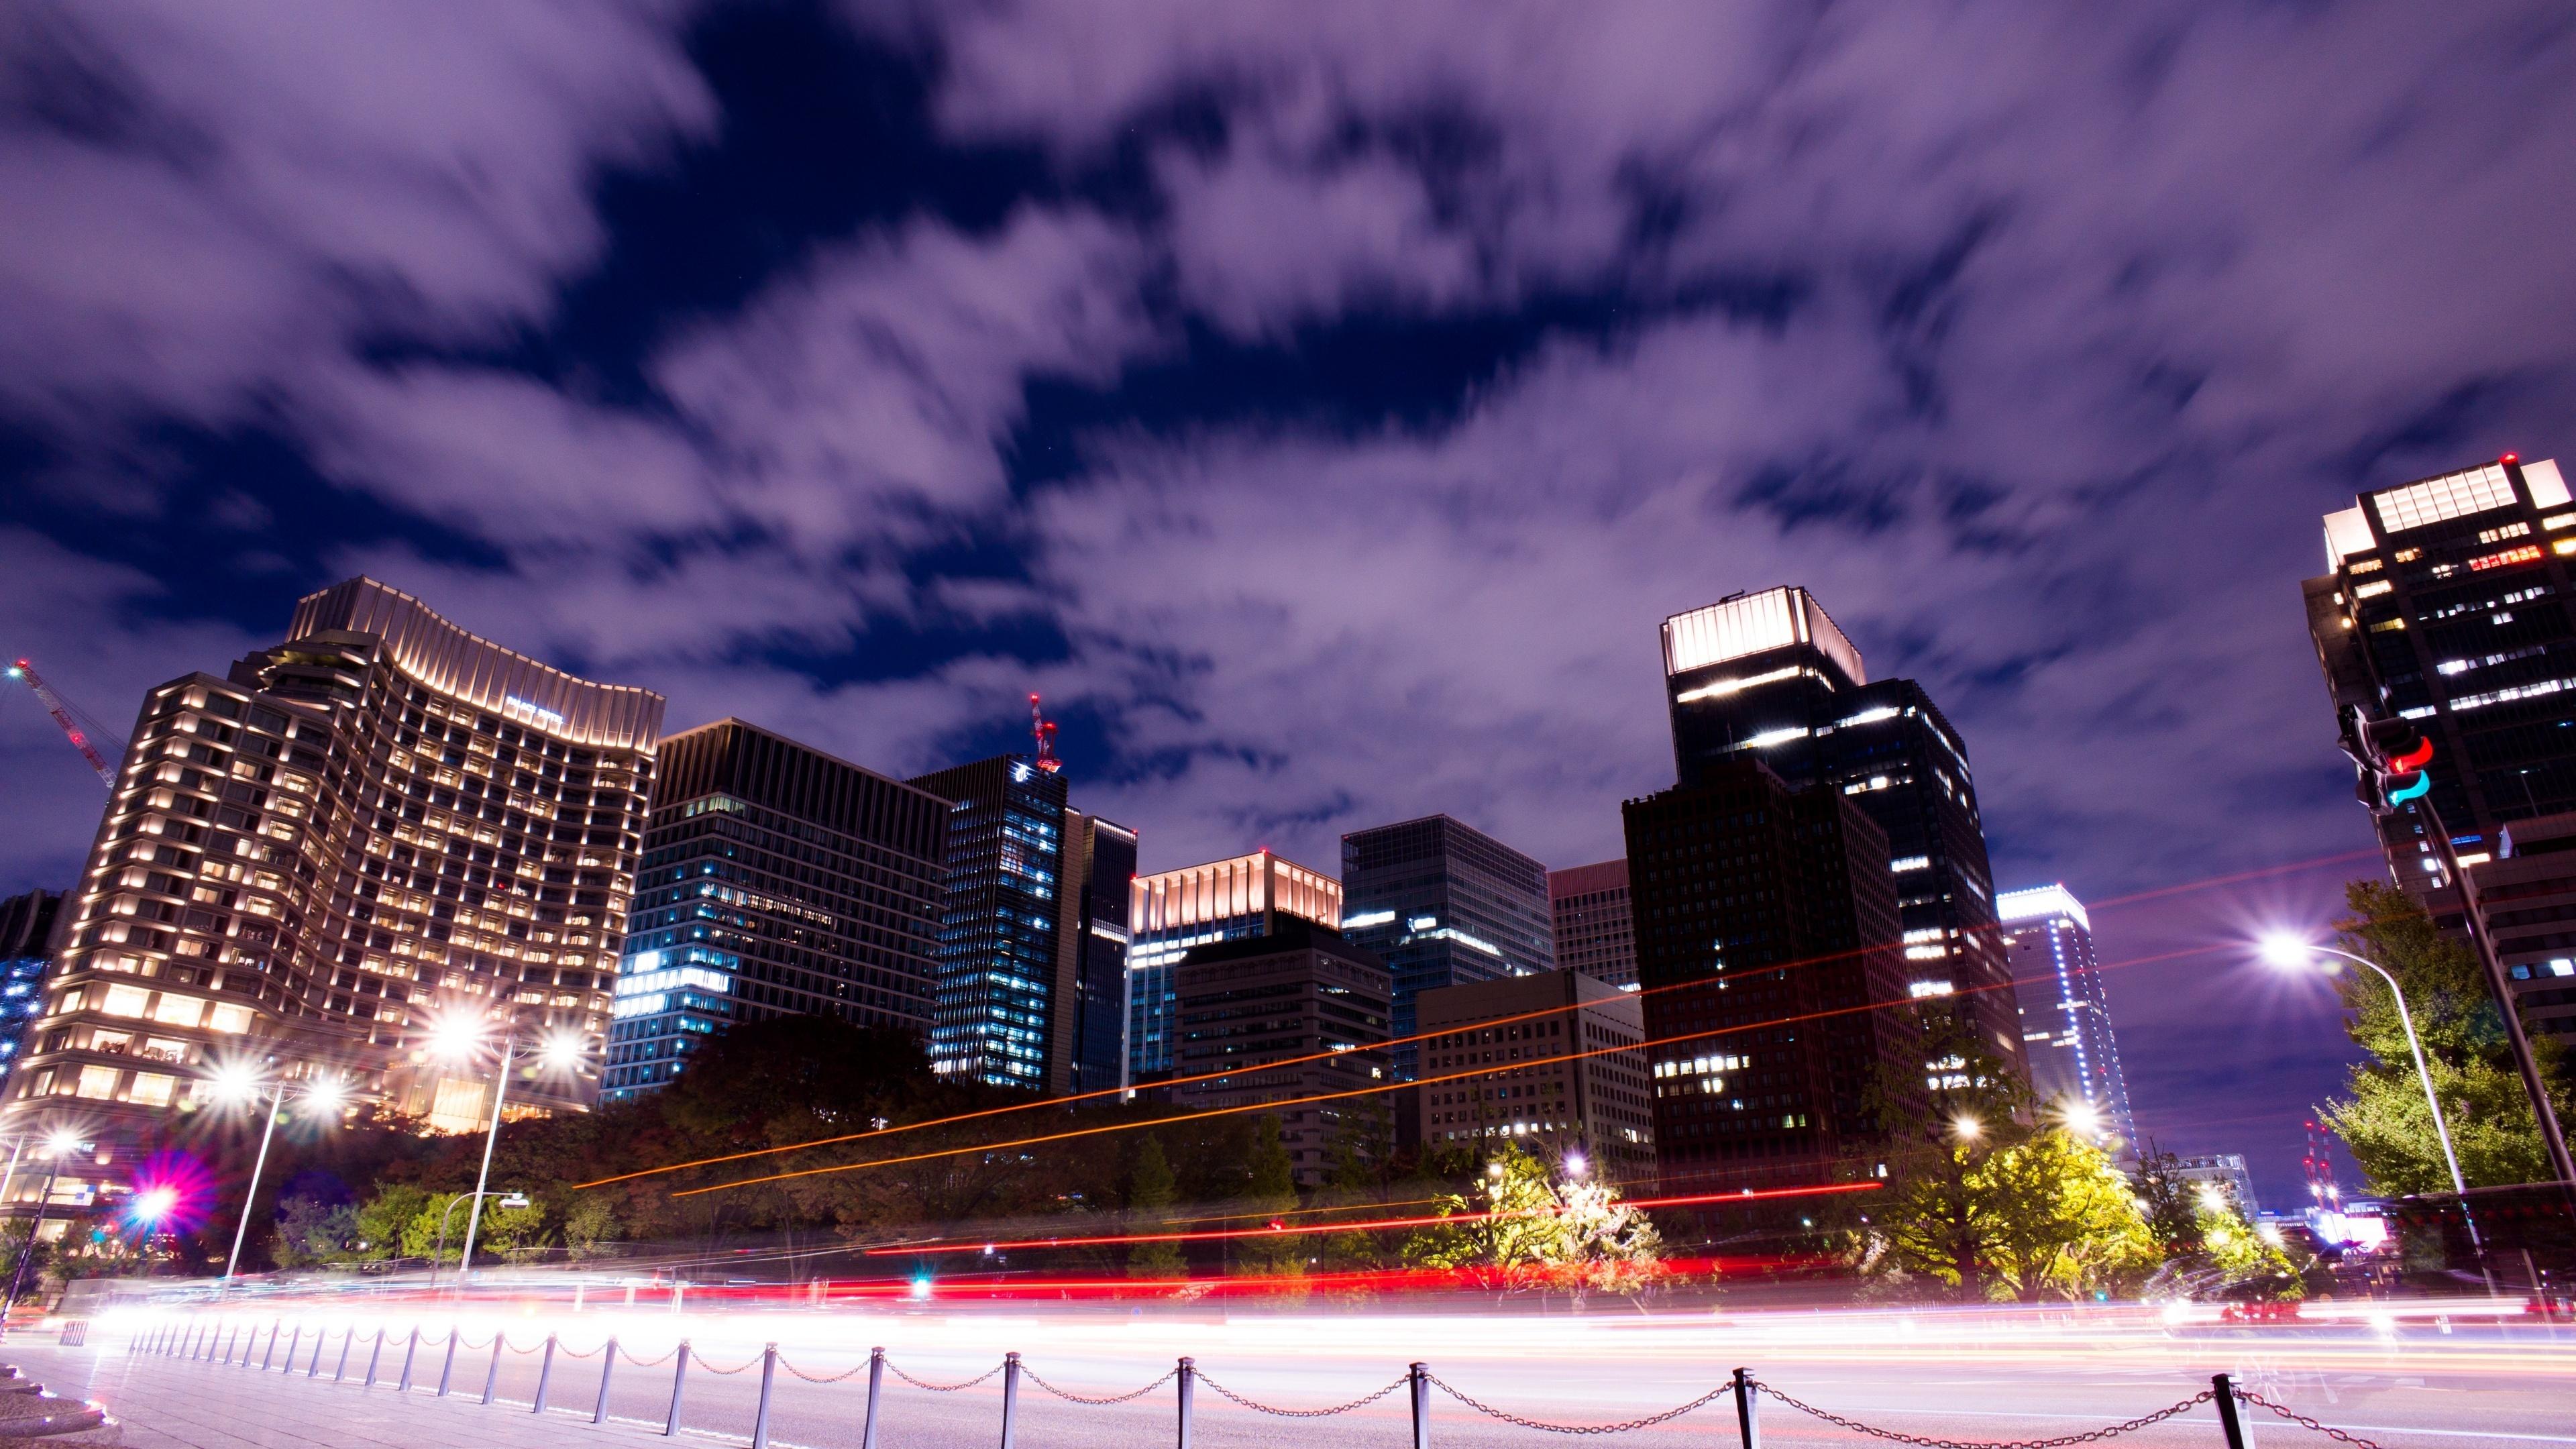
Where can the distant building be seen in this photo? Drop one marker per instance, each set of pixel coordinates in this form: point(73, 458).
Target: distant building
point(2527, 897)
point(1087, 1043)
point(1172, 912)
point(26, 945)
point(1555, 1058)
point(382, 823)
point(1766, 924)
point(1286, 1018)
point(1443, 904)
point(2065, 1015)
point(1594, 933)
point(994, 1009)
point(777, 881)
point(2444, 602)
point(1768, 676)
point(2226, 1173)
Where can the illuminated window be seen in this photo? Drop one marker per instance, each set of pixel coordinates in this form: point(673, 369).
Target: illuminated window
point(125, 1001)
point(2454, 495)
point(2373, 590)
point(152, 1089)
point(98, 1083)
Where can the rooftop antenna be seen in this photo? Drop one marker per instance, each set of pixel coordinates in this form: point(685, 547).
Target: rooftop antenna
point(1043, 730)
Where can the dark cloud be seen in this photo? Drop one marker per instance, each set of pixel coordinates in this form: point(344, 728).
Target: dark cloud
point(1319, 403)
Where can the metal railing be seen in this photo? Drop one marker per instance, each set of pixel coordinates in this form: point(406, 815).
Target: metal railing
point(225, 1344)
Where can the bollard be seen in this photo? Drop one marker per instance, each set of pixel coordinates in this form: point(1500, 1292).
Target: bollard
point(447, 1370)
point(768, 1375)
point(545, 1374)
point(409, 1350)
point(269, 1352)
point(679, 1380)
point(1010, 1395)
point(292, 1345)
point(1189, 1373)
point(492, 1375)
point(228, 1344)
point(1419, 1383)
point(373, 1355)
point(607, 1364)
point(1747, 1422)
point(876, 1388)
point(313, 1370)
point(348, 1340)
point(2230, 1421)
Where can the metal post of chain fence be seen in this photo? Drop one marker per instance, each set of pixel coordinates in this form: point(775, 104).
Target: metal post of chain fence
point(545, 1375)
point(348, 1340)
point(1748, 1421)
point(447, 1370)
point(760, 1419)
point(313, 1370)
point(269, 1352)
point(1418, 1378)
point(876, 1387)
point(2230, 1421)
point(492, 1375)
point(228, 1345)
point(373, 1356)
point(607, 1366)
point(292, 1345)
point(1189, 1372)
point(1010, 1396)
point(679, 1380)
point(409, 1350)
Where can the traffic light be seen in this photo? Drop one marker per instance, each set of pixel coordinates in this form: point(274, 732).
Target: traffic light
point(2391, 754)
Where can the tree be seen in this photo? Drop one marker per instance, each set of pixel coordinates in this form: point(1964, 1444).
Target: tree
point(1271, 1193)
point(2384, 1120)
point(2065, 1222)
point(1945, 1213)
point(311, 1232)
point(1518, 1225)
point(1149, 1202)
point(382, 1218)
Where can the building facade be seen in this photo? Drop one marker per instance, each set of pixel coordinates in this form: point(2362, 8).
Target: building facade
point(776, 881)
point(994, 1011)
point(1554, 1059)
point(1286, 1018)
point(1087, 1051)
point(2446, 601)
point(1594, 932)
point(2066, 1033)
point(381, 826)
point(1443, 904)
point(1173, 912)
point(26, 947)
point(1766, 924)
point(2224, 1174)
point(1768, 676)
point(2527, 898)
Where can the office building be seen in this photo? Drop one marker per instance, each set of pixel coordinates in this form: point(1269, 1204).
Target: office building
point(2527, 898)
point(1443, 904)
point(2065, 1016)
point(1594, 932)
point(26, 946)
point(776, 881)
point(1288, 1017)
point(994, 1010)
point(1768, 676)
point(2445, 601)
point(1553, 1060)
point(1087, 1049)
point(1766, 925)
point(380, 826)
point(1173, 912)
point(2222, 1173)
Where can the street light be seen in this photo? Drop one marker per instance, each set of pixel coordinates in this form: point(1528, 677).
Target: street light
point(59, 1144)
point(1968, 1128)
point(2291, 953)
point(510, 1200)
point(458, 1037)
point(239, 1082)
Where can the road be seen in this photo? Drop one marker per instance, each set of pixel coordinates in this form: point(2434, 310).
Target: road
point(2457, 1383)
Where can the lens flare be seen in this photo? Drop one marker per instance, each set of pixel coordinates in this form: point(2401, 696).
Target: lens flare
point(173, 1192)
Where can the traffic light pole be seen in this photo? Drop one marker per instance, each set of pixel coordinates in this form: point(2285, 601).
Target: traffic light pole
point(2553, 1139)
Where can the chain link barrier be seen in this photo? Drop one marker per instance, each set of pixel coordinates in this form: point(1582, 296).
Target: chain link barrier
point(709, 1365)
point(1651, 1420)
point(469, 1345)
point(849, 1373)
point(1275, 1412)
point(647, 1362)
point(2089, 1436)
point(1031, 1375)
point(2303, 1421)
point(577, 1353)
point(945, 1388)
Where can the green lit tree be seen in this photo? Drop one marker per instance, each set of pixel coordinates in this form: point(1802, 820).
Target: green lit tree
point(1149, 1202)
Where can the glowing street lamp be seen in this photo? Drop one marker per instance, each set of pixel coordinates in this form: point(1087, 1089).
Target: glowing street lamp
point(2293, 954)
point(2083, 1119)
point(60, 1143)
point(459, 1038)
point(1968, 1128)
point(239, 1084)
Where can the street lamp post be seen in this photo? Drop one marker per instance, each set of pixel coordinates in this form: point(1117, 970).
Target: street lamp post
point(483, 1179)
point(57, 1146)
point(326, 1092)
point(510, 1200)
point(459, 1037)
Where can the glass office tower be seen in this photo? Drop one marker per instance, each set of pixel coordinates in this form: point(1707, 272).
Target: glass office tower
point(1769, 677)
point(1173, 911)
point(26, 937)
point(2065, 1014)
point(995, 1009)
point(1087, 1051)
point(1443, 904)
point(1595, 933)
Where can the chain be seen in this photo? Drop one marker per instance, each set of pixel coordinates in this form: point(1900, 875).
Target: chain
point(945, 1388)
point(467, 1344)
point(2303, 1421)
point(1304, 1413)
point(710, 1365)
point(2087, 1437)
point(1667, 1416)
point(577, 1353)
point(832, 1379)
point(1031, 1376)
point(646, 1362)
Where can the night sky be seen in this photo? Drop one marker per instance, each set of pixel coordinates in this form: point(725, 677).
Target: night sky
point(1320, 404)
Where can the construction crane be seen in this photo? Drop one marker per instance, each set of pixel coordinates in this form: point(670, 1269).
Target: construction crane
point(1043, 729)
point(62, 714)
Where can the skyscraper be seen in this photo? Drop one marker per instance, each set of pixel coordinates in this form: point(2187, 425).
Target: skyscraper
point(2445, 600)
point(776, 881)
point(1768, 676)
point(1172, 912)
point(1443, 903)
point(1087, 1048)
point(1574, 1074)
point(1286, 1017)
point(995, 1009)
point(2065, 1015)
point(380, 823)
point(1766, 921)
point(1594, 932)
point(26, 947)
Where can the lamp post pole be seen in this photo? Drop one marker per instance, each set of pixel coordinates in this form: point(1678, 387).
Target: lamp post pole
point(44, 1199)
point(483, 1180)
point(276, 1103)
